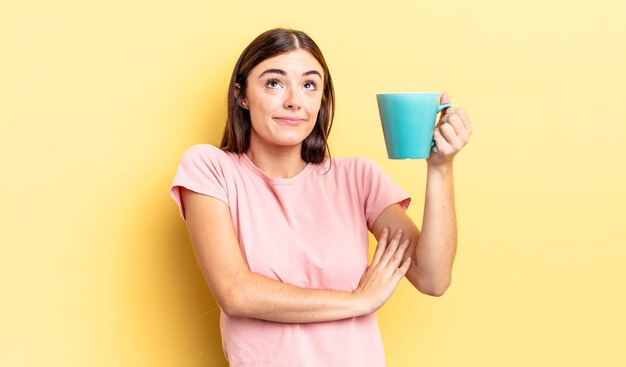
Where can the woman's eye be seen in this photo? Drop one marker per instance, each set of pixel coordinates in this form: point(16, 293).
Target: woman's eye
point(272, 83)
point(310, 86)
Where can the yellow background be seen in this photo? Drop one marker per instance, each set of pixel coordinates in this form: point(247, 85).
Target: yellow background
point(98, 100)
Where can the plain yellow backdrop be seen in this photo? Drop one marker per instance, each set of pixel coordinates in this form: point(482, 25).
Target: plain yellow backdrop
point(98, 100)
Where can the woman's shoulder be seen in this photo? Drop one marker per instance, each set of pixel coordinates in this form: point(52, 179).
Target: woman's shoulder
point(205, 153)
point(204, 150)
point(207, 156)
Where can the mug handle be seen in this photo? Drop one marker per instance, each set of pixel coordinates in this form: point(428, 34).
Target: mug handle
point(439, 109)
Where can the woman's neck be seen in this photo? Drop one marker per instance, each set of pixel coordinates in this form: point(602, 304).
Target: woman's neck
point(277, 161)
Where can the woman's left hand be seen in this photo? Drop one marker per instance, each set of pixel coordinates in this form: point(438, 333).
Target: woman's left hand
point(451, 134)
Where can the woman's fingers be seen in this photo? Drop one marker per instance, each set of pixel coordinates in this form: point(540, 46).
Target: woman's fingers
point(386, 270)
point(445, 98)
point(400, 272)
point(452, 133)
point(465, 119)
point(397, 257)
point(441, 144)
point(457, 124)
point(457, 118)
point(449, 132)
point(392, 247)
point(380, 248)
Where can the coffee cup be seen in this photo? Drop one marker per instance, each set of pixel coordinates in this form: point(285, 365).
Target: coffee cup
point(408, 121)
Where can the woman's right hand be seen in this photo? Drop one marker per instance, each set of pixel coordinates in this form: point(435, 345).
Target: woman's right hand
point(385, 272)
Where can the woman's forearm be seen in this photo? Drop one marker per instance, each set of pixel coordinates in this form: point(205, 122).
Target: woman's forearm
point(263, 298)
point(268, 299)
point(436, 246)
point(259, 297)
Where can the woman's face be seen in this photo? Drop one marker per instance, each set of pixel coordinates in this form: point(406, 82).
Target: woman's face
point(283, 95)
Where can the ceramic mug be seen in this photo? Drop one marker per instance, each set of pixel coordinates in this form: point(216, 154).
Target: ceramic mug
point(408, 121)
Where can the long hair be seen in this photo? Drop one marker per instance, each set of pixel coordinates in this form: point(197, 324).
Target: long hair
point(271, 43)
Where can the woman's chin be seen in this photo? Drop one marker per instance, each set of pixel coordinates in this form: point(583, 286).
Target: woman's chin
point(285, 139)
point(288, 141)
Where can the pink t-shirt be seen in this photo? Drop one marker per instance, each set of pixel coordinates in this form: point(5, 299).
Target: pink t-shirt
point(310, 231)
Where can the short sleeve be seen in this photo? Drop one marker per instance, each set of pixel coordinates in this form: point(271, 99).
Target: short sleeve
point(377, 190)
point(201, 169)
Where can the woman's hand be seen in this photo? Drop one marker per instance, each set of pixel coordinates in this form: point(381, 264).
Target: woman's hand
point(451, 134)
point(385, 271)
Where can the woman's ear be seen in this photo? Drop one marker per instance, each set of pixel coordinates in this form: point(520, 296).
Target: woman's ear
point(241, 101)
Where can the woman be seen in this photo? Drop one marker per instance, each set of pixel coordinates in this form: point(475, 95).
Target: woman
point(281, 231)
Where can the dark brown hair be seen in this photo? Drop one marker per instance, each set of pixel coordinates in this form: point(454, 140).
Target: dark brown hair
point(271, 43)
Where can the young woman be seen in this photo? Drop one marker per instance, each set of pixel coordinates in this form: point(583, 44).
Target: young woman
point(280, 229)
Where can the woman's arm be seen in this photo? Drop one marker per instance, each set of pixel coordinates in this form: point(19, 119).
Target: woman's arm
point(243, 293)
point(434, 247)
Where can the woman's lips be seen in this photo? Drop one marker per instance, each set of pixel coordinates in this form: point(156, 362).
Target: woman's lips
point(288, 120)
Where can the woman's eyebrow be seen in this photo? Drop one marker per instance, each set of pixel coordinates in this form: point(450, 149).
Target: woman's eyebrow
point(282, 72)
point(313, 72)
point(275, 71)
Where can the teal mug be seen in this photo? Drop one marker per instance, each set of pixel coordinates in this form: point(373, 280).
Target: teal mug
point(408, 121)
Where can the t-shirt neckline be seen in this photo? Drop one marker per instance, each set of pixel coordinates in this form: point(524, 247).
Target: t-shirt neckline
point(275, 181)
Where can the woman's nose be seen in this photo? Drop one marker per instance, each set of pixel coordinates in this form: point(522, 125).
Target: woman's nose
point(292, 100)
